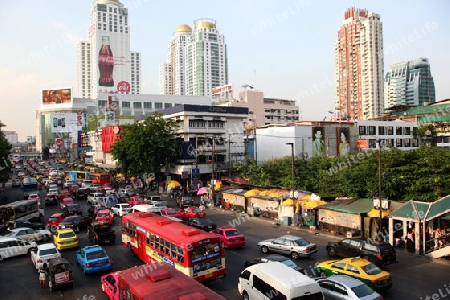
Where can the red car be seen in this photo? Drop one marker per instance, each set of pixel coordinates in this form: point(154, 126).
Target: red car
point(136, 200)
point(230, 237)
point(110, 285)
point(192, 212)
point(66, 201)
point(171, 212)
point(104, 215)
point(64, 194)
point(107, 186)
point(54, 220)
point(73, 189)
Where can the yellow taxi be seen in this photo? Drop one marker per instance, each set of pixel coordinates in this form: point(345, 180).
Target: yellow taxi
point(65, 239)
point(359, 268)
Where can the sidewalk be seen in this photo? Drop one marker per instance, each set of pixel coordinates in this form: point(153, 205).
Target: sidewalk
point(400, 250)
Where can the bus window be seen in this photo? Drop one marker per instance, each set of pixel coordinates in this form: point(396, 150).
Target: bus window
point(167, 248)
point(161, 244)
point(152, 240)
point(181, 254)
point(156, 242)
point(173, 251)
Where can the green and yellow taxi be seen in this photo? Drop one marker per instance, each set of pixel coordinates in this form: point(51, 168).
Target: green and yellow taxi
point(65, 239)
point(359, 268)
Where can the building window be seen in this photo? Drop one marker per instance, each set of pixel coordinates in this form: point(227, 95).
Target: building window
point(137, 104)
point(390, 130)
point(407, 143)
point(399, 130)
point(381, 130)
point(362, 130)
point(126, 104)
point(372, 143)
point(158, 105)
point(407, 131)
point(167, 105)
point(101, 103)
point(147, 105)
point(372, 130)
point(398, 143)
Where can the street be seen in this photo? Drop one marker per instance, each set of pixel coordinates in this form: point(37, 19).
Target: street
point(414, 276)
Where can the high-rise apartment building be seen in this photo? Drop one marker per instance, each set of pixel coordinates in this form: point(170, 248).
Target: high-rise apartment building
point(105, 63)
point(196, 61)
point(359, 69)
point(409, 83)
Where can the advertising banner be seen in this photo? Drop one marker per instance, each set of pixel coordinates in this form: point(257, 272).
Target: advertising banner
point(57, 96)
point(64, 122)
point(221, 89)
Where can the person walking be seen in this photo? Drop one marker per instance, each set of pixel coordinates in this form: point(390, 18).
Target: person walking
point(43, 275)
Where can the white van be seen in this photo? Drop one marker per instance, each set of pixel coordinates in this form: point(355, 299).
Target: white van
point(10, 247)
point(275, 280)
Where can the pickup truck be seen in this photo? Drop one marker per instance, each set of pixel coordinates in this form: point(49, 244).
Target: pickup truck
point(101, 233)
point(155, 200)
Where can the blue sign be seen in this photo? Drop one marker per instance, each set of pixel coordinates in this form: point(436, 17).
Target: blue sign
point(195, 172)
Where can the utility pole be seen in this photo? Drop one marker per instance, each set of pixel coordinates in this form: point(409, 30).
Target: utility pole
point(229, 156)
point(196, 152)
point(379, 180)
point(212, 160)
point(256, 144)
point(292, 164)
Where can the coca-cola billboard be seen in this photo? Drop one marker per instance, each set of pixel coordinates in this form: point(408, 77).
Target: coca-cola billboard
point(123, 87)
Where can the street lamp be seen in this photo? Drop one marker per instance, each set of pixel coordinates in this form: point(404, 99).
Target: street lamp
point(379, 180)
point(292, 163)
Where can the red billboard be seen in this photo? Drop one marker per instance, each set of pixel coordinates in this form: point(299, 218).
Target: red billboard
point(109, 136)
point(57, 96)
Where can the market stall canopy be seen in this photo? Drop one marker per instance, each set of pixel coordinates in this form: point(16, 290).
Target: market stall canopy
point(265, 193)
point(203, 190)
point(288, 202)
point(252, 193)
point(312, 204)
point(173, 184)
point(375, 213)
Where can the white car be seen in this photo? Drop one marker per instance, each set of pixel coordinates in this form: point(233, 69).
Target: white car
point(96, 198)
point(29, 234)
point(10, 247)
point(41, 254)
point(121, 209)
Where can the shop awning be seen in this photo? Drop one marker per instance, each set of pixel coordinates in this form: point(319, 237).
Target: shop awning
point(312, 204)
point(375, 213)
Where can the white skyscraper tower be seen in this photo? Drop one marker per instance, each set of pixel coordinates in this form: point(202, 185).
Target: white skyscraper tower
point(105, 63)
point(196, 61)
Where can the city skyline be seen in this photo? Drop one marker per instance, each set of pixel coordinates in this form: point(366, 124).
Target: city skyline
point(285, 49)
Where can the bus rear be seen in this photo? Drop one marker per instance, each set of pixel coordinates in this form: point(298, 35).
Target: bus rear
point(29, 186)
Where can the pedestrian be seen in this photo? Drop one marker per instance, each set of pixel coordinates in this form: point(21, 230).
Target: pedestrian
point(43, 275)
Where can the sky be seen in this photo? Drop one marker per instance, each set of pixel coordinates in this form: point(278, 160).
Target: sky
point(284, 48)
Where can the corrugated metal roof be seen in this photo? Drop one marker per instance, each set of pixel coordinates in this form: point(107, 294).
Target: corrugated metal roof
point(351, 206)
point(412, 210)
point(438, 208)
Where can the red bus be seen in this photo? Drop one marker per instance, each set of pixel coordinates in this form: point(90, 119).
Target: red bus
point(156, 281)
point(101, 179)
point(154, 238)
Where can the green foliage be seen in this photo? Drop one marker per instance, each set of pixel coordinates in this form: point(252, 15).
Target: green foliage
point(145, 146)
point(422, 174)
point(5, 150)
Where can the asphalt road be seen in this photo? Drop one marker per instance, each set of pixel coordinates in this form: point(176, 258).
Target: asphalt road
point(414, 276)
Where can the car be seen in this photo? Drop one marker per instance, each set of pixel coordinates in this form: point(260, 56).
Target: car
point(123, 198)
point(171, 212)
point(274, 257)
point(16, 183)
point(66, 201)
point(65, 239)
point(95, 198)
point(81, 194)
point(93, 259)
point(69, 183)
point(95, 188)
point(29, 234)
point(53, 191)
point(64, 194)
point(339, 287)
point(10, 247)
point(105, 215)
point(202, 223)
point(73, 189)
point(380, 254)
point(191, 212)
point(136, 200)
point(77, 223)
point(73, 209)
point(185, 201)
point(28, 224)
point(110, 285)
point(358, 268)
point(51, 198)
point(107, 190)
point(295, 246)
point(153, 199)
point(41, 254)
point(86, 183)
point(101, 233)
point(121, 209)
point(52, 185)
point(230, 237)
point(34, 197)
point(54, 220)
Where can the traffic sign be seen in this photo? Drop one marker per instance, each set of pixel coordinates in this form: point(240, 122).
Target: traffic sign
point(59, 142)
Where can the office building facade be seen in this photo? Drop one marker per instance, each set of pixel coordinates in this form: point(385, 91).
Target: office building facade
point(409, 83)
point(105, 63)
point(359, 65)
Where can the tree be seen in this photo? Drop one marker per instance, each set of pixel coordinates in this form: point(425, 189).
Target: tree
point(145, 146)
point(5, 150)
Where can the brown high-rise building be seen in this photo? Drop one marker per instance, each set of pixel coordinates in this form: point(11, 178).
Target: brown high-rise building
point(359, 65)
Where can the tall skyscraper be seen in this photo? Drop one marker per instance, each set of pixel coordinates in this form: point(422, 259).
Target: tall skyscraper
point(359, 69)
point(409, 83)
point(196, 61)
point(105, 63)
